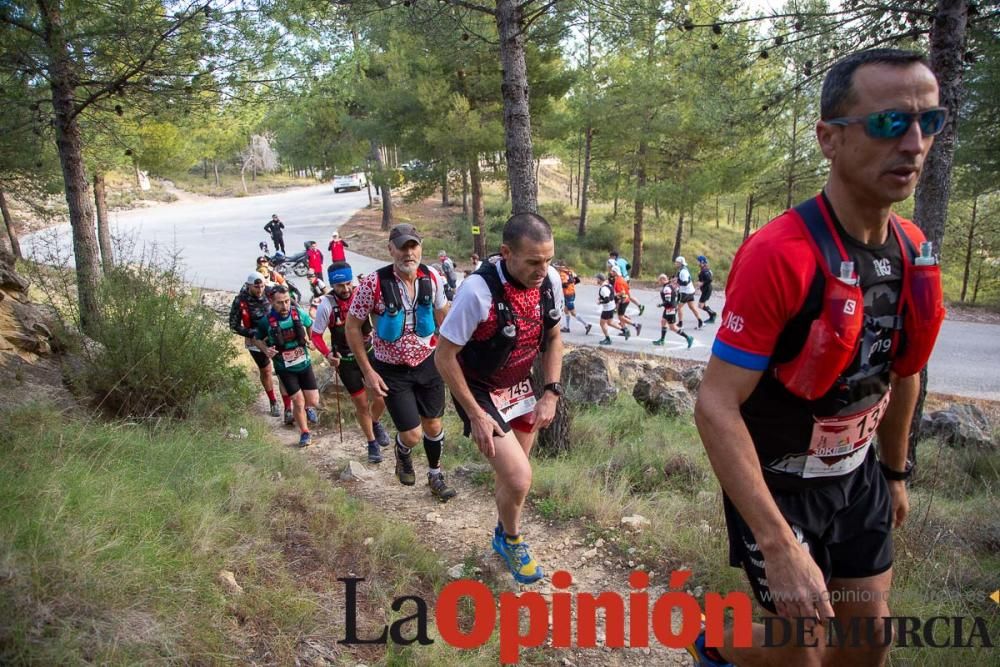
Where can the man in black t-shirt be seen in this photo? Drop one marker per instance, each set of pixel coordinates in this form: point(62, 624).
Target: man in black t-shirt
point(275, 228)
point(705, 285)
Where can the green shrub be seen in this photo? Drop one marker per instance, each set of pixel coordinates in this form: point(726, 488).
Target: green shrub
point(159, 350)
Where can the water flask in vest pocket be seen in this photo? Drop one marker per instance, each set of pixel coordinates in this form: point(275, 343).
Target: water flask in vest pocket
point(923, 312)
point(390, 324)
point(423, 314)
point(832, 340)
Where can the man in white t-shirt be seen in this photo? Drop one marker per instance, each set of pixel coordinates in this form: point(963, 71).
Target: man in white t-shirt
point(686, 290)
point(505, 315)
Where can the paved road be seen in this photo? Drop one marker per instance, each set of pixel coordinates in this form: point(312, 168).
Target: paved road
point(218, 241)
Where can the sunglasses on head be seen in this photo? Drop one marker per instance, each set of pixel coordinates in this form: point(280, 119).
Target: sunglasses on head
point(892, 124)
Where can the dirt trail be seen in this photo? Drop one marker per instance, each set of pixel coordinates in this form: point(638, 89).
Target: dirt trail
point(460, 531)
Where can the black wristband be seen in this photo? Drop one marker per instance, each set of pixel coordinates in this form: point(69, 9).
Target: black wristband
point(896, 475)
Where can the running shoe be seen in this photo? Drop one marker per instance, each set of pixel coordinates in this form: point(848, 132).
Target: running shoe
point(638, 328)
point(642, 309)
point(518, 558)
point(690, 340)
point(711, 318)
point(305, 439)
point(658, 342)
point(701, 325)
point(275, 409)
point(564, 329)
point(404, 467)
point(289, 417)
point(587, 328)
point(439, 488)
point(626, 333)
point(374, 452)
point(606, 341)
point(699, 652)
point(311, 415)
point(381, 435)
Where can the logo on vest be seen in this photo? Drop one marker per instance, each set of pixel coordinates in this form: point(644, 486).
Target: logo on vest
point(849, 306)
point(883, 267)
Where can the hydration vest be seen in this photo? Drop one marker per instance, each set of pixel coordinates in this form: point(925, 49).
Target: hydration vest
point(833, 318)
point(279, 337)
point(668, 296)
point(605, 297)
point(486, 357)
point(336, 326)
point(392, 323)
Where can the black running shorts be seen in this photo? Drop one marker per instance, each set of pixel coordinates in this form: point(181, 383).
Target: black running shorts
point(622, 307)
point(293, 382)
point(685, 298)
point(414, 392)
point(706, 292)
point(607, 314)
point(846, 524)
point(350, 374)
point(259, 358)
point(671, 317)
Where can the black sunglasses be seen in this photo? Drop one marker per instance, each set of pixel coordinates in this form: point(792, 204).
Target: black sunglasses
point(892, 124)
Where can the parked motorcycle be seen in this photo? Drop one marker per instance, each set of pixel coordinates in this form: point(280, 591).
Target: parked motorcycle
point(298, 264)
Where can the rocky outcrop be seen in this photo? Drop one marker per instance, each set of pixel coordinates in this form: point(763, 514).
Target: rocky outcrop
point(660, 396)
point(960, 425)
point(587, 376)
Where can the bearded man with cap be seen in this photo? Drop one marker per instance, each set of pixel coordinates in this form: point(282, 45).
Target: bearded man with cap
point(331, 313)
point(407, 302)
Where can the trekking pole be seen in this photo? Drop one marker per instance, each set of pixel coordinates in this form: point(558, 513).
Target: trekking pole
point(340, 420)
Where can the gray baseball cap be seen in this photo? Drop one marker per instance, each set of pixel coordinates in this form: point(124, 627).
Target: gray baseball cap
point(403, 234)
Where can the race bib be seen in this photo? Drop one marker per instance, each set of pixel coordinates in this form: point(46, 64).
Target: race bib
point(514, 401)
point(295, 357)
point(840, 444)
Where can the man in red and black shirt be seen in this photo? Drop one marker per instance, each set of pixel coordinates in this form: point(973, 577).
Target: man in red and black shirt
point(809, 506)
point(331, 313)
point(407, 303)
point(503, 316)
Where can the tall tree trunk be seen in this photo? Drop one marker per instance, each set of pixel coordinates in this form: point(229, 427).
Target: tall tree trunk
point(679, 236)
point(204, 168)
point(618, 176)
point(70, 147)
point(103, 229)
point(581, 229)
point(930, 210)
point(516, 112)
point(215, 167)
point(465, 193)
point(8, 223)
point(734, 215)
point(579, 169)
point(444, 189)
point(947, 39)
point(979, 277)
point(968, 250)
point(569, 192)
point(637, 224)
point(383, 187)
point(749, 217)
point(478, 210)
point(716, 211)
point(793, 156)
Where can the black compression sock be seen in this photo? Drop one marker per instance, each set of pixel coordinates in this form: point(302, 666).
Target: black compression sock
point(432, 447)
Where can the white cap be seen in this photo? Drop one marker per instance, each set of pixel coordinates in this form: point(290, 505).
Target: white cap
point(254, 277)
point(336, 235)
point(680, 260)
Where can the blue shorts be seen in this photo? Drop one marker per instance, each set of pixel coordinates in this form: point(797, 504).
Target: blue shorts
point(570, 302)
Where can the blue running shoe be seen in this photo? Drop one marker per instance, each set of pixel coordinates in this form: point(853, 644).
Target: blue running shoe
point(305, 439)
point(519, 560)
point(311, 415)
point(697, 650)
point(381, 435)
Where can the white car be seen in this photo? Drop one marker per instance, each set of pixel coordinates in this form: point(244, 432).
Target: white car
point(354, 181)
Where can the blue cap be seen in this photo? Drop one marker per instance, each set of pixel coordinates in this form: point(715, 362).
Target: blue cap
point(339, 273)
point(702, 259)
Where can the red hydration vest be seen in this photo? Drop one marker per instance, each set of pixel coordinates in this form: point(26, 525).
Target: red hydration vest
point(504, 346)
point(836, 332)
